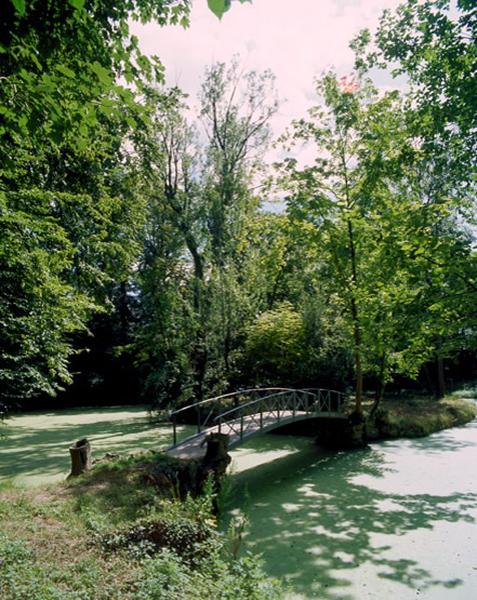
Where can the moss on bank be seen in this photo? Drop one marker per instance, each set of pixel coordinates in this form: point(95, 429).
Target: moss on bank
point(109, 535)
point(418, 417)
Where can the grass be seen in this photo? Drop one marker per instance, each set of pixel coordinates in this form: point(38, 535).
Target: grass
point(108, 534)
point(46, 548)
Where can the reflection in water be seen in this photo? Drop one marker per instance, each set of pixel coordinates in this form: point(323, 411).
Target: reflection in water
point(398, 518)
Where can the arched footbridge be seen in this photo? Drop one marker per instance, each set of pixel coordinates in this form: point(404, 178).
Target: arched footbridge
point(246, 413)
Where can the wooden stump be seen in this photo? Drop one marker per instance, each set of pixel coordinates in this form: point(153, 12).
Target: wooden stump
point(216, 459)
point(80, 453)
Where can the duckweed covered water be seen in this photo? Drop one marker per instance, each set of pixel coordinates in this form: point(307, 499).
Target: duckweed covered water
point(395, 521)
point(34, 446)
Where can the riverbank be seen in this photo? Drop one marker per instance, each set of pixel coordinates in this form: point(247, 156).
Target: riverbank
point(418, 416)
point(34, 446)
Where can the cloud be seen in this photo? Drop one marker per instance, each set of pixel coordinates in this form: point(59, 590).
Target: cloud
point(297, 40)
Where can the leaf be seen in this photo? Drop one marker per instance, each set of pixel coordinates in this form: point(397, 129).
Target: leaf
point(78, 4)
point(102, 73)
point(20, 6)
point(64, 70)
point(218, 7)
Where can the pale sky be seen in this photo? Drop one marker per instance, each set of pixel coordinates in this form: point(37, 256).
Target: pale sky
point(296, 39)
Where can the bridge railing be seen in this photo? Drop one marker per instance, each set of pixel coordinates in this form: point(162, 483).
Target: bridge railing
point(328, 400)
point(202, 413)
point(256, 413)
point(248, 409)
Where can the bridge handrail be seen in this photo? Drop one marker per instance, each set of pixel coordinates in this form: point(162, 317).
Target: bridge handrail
point(198, 405)
point(252, 402)
point(228, 395)
point(318, 394)
point(323, 390)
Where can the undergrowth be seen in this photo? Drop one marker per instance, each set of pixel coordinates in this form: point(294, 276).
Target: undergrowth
point(109, 536)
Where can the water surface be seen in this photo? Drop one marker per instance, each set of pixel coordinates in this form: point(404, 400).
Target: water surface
point(396, 521)
point(34, 447)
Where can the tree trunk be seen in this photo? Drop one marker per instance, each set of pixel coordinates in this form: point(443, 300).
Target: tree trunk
point(356, 326)
point(380, 387)
point(199, 364)
point(441, 382)
point(215, 462)
point(80, 453)
point(358, 405)
point(199, 349)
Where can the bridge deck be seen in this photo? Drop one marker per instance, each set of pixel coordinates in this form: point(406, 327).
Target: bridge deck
point(240, 429)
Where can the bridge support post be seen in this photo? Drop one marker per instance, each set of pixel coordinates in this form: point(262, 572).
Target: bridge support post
point(197, 410)
point(216, 459)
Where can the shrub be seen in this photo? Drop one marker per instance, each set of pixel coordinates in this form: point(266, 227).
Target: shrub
point(275, 344)
point(181, 535)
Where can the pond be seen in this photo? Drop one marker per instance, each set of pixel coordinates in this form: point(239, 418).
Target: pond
point(396, 520)
point(34, 446)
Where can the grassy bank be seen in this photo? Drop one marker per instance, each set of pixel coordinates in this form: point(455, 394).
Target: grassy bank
point(409, 417)
point(111, 536)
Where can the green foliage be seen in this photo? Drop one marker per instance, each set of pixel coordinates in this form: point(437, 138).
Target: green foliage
point(143, 11)
point(275, 343)
point(68, 214)
point(167, 577)
point(220, 7)
point(387, 234)
point(191, 540)
point(433, 43)
point(119, 224)
point(418, 417)
point(38, 308)
point(59, 252)
point(195, 300)
point(298, 347)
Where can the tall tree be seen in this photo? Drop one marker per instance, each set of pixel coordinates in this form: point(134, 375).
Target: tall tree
point(433, 44)
point(204, 192)
point(381, 236)
point(236, 108)
point(66, 205)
